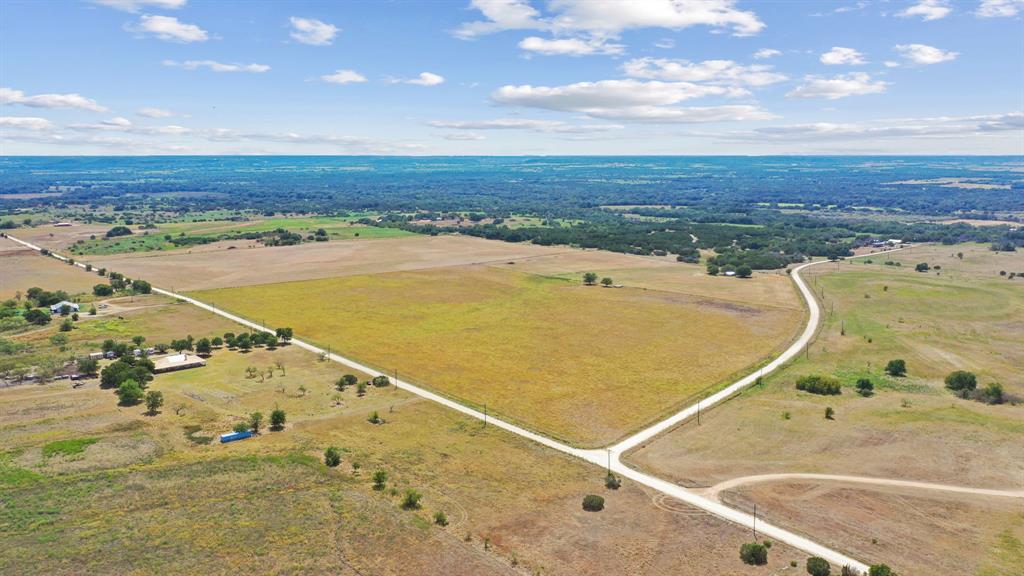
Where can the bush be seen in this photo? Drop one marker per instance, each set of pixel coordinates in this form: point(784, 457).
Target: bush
point(118, 231)
point(380, 381)
point(865, 387)
point(380, 478)
point(961, 381)
point(277, 419)
point(241, 427)
point(612, 482)
point(593, 503)
point(818, 566)
point(130, 393)
point(993, 393)
point(816, 384)
point(440, 519)
point(713, 269)
point(880, 570)
point(744, 271)
point(754, 554)
point(830, 414)
point(922, 267)
point(896, 368)
point(102, 290)
point(411, 500)
point(154, 400)
point(332, 456)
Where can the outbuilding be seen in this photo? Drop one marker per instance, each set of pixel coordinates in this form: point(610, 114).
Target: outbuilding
point(56, 308)
point(177, 362)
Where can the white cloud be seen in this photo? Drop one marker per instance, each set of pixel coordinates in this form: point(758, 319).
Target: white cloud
point(26, 123)
point(999, 8)
point(555, 126)
point(628, 100)
point(463, 136)
point(924, 54)
point(313, 32)
point(940, 127)
point(121, 124)
point(891, 64)
point(155, 113)
point(764, 53)
point(928, 10)
point(724, 72)
point(136, 5)
point(839, 55)
point(426, 79)
point(11, 96)
point(609, 17)
point(215, 66)
point(665, 43)
point(344, 77)
point(855, 84)
point(170, 29)
point(570, 46)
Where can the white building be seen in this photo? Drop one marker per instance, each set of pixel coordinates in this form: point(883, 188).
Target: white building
point(56, 308)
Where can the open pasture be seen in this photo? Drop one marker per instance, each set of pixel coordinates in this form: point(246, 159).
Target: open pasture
point(583, 363)
point(23, 268)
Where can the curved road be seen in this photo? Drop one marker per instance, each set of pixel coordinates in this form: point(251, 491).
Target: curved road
point(610, 457)
point(714, 491)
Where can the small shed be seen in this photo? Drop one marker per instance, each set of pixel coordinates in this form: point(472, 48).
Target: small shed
point(232, 436)
point(177, 362)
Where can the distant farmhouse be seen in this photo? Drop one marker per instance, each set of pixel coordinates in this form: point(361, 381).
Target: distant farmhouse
point(59, 306)
point(177, 362)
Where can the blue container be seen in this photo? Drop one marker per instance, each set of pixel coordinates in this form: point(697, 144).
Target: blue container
point(232, 436)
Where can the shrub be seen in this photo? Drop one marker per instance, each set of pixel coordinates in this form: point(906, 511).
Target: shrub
point(380, 478)
point(713, 269)
point(830, 414)
point(277, 419)
point(102, 290)
point(332, 456)
point(593, 503)
point(375, 418)
point(118, 231)
point(754, 554)
point(818, 566)
point(961, 381)
point(993, 393)
point(411, 500)
point(896, 368)
point(440, 519)
point(154, 400)
point(880, 570)
point(816, 384)
point(743, 271)
point(612, 482)
point(922, 267)
point(130, 392)
point(380, 381)
point(865, 387)
point(241, 427)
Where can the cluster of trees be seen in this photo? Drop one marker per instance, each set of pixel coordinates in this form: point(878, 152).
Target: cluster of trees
point(817, 384)
point(118, 231)
point(965, 385)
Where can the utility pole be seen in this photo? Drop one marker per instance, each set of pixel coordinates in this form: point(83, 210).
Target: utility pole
point(485, 415)
point(609, 460)
point(755, 523)
point(698, 412)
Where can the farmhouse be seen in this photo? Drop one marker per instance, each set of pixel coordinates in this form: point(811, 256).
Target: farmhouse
point(177, 362)
point(56, 308)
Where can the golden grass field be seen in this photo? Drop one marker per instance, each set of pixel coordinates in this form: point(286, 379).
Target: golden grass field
point(140, 497)
point(966, 317)
point(583, 363)
point(24, 268)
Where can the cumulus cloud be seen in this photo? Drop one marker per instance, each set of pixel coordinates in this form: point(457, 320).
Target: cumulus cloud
point(11, 96)
point(26, 123)
point(723, 72)
point(927, 10)
point(570, 46)
point(122, 124)
point(856, 84)
point(609, 17)
point(313, 32)
point(628, 100)
point(549, 126)
point(463, 136)
point(765, 53)
point(924, 54)
point(215, 66)
point(136, 5)
point(155, 113)
point(945, 127)
point(839, 55)
point(169, 28)
point(426, 79)
point(999, 8)
point(344, 77)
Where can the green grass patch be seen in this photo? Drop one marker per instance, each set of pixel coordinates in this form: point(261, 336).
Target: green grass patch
point(66, 448)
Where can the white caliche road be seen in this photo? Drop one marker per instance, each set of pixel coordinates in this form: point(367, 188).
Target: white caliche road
point(610, 457)
point(717, 489)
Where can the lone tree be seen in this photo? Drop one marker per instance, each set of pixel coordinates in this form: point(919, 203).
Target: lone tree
point(865, 387)
point(204, 347)
point(380, 478)
point(277, 419)
point(993, 393)
point(154, 400)
point(130, 392)
point(590, 278)
point(332, 456)
point(743, 271)
point(102, 290)
point(962, 382)
point(593, 503)
point(255, 421)
point(896, 368)
point(754, 553)
point(830, 414)
point(818, 566)
point(380, 381)
point(922, 267)
point(284, 334)
point(606, 281)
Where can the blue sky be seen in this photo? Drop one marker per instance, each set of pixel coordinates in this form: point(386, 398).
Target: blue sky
point(512, 77)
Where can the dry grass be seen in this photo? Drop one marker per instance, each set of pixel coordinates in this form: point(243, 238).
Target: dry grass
point(580, 362)
point(24, 268)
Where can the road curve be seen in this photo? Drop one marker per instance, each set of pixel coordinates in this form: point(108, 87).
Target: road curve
point(714, 491)
point(610, 457)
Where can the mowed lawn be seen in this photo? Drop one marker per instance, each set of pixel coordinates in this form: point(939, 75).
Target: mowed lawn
point(583, 363)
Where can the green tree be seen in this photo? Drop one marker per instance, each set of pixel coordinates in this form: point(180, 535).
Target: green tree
point(204, 347)
point(593, 503)
point(993, 393)
point(754, 554)
point(67, 325)
point(102, 290)
point(880, 570)
point(255, 421)
point(830, 414)
point(606, 281)
point(411, 500)
point(37, 317)
point(361, 389)
point(284, 334)
point(243, 342)
point(743, 271)
point(241, 427)
point(380, 381)
point(380, 478)
point(713, 269)
point(87, 365)
point(130, 392)
point(332, 456)
point(60, 340)
point(217, 341)
point(375, 418)
point(865, 387)
point(440, 518)
point(961, 381)
point(277, 419)
point(590, 278)
point(154, 400)
point(142, 287)
point(896, 368)
point(818, 566)
point(138, 340)
point(817, 384)
point(922, 267)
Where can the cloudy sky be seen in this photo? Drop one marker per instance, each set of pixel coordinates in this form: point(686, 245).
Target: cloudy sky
point(512, 77)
